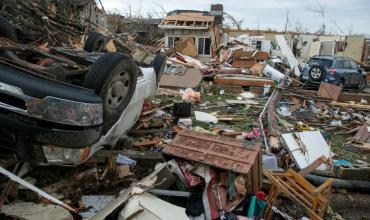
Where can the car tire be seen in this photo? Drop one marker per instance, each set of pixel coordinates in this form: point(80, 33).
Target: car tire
point(341, 83)
point(316, 73)
point(362, 84)
point(159, 63)
point(113, 77)
point(95, 42)
point(6, 30)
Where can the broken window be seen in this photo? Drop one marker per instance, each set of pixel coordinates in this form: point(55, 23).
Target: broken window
point(340, 46)
point(204, 46)
point(259, 45)
point(172, 41)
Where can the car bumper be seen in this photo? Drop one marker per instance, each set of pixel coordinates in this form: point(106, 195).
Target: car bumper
point(49, 133)
point(308, 81)
point(38, 97)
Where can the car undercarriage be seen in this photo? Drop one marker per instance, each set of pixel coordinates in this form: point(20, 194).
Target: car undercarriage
point(61, 105)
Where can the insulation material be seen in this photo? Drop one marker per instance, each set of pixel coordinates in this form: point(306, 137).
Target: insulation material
point(187, 47)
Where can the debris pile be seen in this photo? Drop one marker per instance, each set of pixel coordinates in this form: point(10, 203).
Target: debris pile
point(223, 129)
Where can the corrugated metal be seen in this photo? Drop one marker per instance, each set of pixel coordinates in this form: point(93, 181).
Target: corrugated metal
point(220, 152)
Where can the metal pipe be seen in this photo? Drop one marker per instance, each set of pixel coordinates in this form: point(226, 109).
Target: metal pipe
point(260, 120)
point(355, 185)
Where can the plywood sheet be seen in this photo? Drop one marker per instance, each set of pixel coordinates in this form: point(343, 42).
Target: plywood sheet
point(242, 80)
point(191, 78)
point(330, 91)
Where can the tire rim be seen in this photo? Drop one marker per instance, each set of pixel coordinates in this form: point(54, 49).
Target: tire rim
point(100, 45)
point(118, 90)
point(316, 73)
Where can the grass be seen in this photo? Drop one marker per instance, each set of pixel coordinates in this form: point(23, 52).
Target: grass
point(336, 143)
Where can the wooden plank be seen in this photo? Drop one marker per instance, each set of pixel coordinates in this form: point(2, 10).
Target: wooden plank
point(242, 80)
point(304, 172)
point(355, 96)
point(350, 105)
point(147, 143)
point(191, 78)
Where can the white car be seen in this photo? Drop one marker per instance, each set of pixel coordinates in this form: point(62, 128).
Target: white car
point(61, 106)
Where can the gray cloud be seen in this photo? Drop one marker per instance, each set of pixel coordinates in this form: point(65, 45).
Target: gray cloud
point(350, 16)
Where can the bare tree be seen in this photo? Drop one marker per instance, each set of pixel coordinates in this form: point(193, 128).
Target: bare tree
point(162, 9)
point(138, 15)
point(321, 11)
point(286, 20)
point(114, 11)
point(298, 27)
point(337, 26)
point(235, 23)
point(350, 29)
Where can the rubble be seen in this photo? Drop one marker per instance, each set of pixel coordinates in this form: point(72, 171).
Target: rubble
point(233, 132)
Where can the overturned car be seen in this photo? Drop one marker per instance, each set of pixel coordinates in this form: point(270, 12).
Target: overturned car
point(61, 106)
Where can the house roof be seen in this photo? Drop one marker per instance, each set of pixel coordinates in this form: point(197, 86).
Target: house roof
point(186, 19)
point(190, 16)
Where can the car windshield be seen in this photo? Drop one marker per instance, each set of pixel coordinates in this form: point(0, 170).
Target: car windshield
point(321, 62)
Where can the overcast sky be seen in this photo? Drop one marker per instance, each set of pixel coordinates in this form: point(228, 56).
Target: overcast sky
point(350, 16)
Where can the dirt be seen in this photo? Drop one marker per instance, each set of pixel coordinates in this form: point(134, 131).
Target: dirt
point(350, 206)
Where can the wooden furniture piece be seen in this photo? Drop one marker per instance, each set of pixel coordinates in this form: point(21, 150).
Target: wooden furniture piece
point(299, 190)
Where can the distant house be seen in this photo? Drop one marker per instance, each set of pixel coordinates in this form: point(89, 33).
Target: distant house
point(89, 12)
point(203, 27)
point(306, 45)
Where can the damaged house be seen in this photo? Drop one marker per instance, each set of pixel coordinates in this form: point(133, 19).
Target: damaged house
point(90, 12)
point(199, 30)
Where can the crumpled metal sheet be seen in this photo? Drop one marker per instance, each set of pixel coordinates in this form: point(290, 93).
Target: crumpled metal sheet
point(218, 151)
point(66, 111)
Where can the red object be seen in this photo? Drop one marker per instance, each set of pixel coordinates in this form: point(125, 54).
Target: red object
point(254, 134)
point(260, 195)
point(191, 179)
point(146, 107)
point(181, 58)
point(333, 71)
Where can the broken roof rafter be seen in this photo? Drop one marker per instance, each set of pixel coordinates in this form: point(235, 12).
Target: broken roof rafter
point(187, 20)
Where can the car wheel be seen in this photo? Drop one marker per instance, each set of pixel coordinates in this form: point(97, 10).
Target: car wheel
point(362, 84)
point(316, 73)
point(113, 76)
point(6, 30)
point(159, 63)
point(341, 83)
point(95, 42)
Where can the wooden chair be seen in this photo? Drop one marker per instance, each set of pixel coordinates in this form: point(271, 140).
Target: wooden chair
point(299, 190)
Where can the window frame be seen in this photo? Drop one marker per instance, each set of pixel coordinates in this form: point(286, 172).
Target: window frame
point(174, 40)
point(347, 64)
point(203, 51)
point(353, 65)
